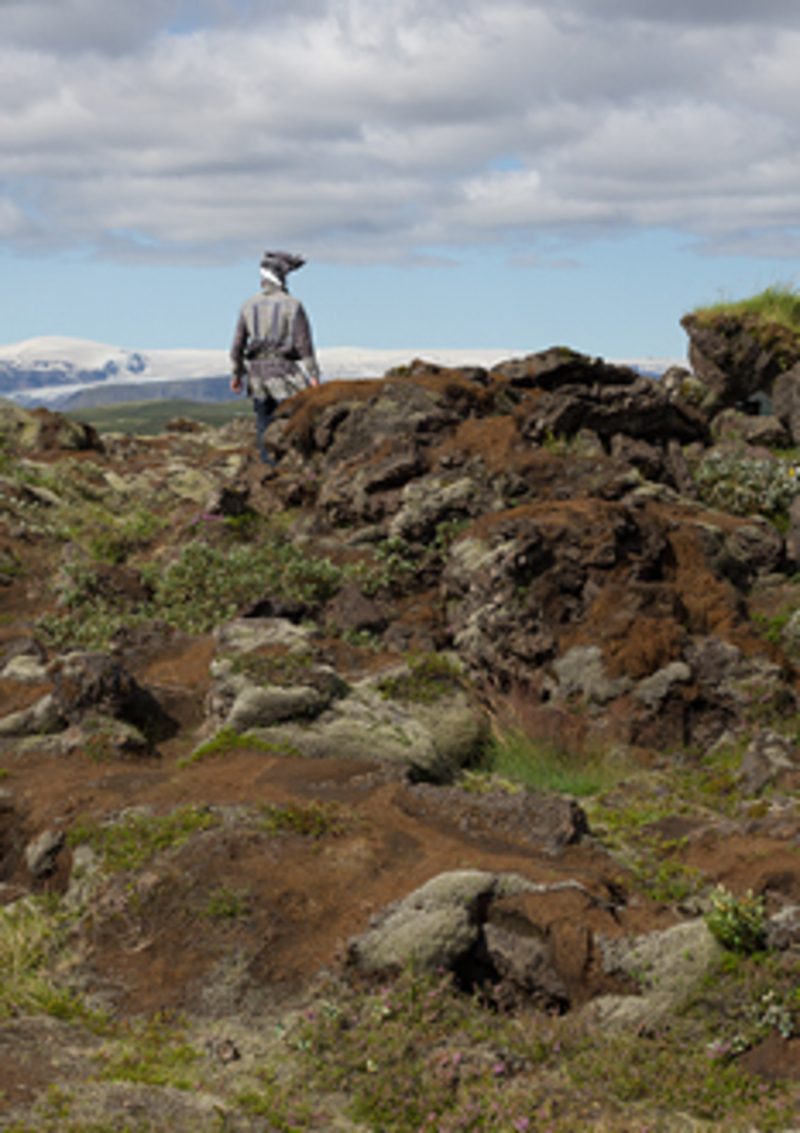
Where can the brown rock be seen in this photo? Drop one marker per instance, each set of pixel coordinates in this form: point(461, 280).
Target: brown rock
point(351, 610)
point(728, 354)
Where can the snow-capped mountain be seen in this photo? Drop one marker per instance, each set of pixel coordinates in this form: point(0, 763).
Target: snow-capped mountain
point(52, 370)
point(72, 373)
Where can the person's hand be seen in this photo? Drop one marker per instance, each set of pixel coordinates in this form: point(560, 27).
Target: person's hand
point(315, 381)
point(236, 383)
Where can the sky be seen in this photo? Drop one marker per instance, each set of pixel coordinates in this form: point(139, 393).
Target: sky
point(462, 174)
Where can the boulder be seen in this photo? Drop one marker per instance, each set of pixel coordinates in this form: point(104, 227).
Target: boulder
point(434, 741)
point(96, 684)
point(786, 402)
point(523, 582)
point(681, 384)
point(44, 718)
point(350, 610)
point(767, 431)
point(436, 499)
point(793, 535)
point(653, 690)
point(435, 927)
point(732, 355)
point(356, 420)
point(559, 366)
point(526, 963)
point(263, 707)
point(548, 822)
point(581, 672)
point(447, 925)
point(243, 635)
point(647, 458)
point(668, 966)
point(767, 756)
point(783, 929)
point(26, 669)
point(42, 852)
point(368, 492)
point(43, 429)
point(639, 409)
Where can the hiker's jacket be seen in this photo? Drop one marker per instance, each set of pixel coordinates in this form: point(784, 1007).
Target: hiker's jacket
point(272, 335)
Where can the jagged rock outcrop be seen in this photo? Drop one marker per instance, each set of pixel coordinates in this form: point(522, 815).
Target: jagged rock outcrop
point(738, 359)
point(737, 356)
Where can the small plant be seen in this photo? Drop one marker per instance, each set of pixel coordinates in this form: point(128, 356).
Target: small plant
point(657, 873)
point(739, 923)
point(313, 820)
point(226, 904)
point(428, 679)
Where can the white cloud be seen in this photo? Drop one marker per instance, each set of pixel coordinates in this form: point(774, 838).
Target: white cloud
point(372, 129)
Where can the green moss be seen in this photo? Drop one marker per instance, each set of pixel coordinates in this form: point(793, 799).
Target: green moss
point(428, 678)
point(226, 740)
point(132, 842)
point(280, 669)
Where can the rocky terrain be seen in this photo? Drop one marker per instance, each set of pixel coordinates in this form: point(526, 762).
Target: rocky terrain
point(444, 776)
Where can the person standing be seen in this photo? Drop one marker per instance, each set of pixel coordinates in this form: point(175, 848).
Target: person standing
point(271, 343)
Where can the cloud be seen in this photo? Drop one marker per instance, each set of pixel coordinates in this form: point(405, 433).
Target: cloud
point(370, 130)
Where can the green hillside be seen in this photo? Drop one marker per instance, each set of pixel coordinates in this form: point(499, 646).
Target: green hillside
point(146, 418)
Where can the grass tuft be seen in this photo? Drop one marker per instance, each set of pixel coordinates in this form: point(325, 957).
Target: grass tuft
point(545, 767)
point(779, 303)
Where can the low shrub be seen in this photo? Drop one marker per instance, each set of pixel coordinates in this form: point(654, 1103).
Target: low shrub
point(739, 923)
point(747, 485)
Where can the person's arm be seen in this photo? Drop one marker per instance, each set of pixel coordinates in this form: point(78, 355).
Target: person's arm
point(304, 346)
point(238, 347)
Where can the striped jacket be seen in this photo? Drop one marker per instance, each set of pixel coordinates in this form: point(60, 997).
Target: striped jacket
point(272, 335)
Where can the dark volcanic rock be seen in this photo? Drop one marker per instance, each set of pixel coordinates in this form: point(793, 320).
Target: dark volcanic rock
point(786, 402)
point(351, 610)
point(89, 684)
point(545, 821)
point(551, 369)
point(640, 409)
point(736, 357)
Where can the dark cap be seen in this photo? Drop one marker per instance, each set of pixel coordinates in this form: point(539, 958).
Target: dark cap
point(281, 263)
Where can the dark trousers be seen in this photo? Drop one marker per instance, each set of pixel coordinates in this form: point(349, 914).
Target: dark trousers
point(265, 412)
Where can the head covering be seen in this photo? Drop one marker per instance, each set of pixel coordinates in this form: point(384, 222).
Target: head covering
point(280, 264)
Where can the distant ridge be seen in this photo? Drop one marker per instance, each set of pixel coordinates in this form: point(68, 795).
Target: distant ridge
point(73, 373)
